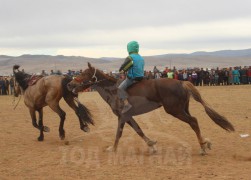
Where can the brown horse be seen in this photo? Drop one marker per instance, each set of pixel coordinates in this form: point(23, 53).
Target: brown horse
point(146, 96)
point(49, 90)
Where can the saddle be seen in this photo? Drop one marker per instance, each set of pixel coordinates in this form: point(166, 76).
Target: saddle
point(33, 79)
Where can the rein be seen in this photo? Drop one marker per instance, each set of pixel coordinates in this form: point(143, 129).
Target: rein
point(92, 83)
point(13, 102)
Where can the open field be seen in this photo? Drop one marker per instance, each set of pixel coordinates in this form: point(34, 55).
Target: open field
point(81, 155)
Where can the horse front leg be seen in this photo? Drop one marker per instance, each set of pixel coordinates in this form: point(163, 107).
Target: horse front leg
point(61, 126)
point(34, 123)
point(33, 118)
point(120, 128)
point(42, 128)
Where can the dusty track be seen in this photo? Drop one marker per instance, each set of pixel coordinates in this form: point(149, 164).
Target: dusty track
point(23, 157)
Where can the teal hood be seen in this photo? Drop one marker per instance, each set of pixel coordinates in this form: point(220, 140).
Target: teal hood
point(133, 47)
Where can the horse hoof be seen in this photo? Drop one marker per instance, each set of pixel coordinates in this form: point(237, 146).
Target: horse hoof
point(46, 129)
point(153, 149)
point(62, 137)
point(86, 129)
point(110, 149)
point(151, 143)
point(203, 152)
point(40, 138)
point(209, 144)
point(66, 142)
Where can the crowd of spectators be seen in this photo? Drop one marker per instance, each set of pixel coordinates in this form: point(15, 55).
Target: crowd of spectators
point(197, 76)
point(6, 85)
point(205, 77)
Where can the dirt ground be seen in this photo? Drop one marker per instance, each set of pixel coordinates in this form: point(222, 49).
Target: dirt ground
point(82, 155)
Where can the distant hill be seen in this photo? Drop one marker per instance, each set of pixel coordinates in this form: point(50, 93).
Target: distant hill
point(37, 63)
point(226, 53)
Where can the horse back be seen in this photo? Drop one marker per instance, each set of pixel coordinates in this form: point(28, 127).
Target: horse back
point(48, 88)
point(157, 89)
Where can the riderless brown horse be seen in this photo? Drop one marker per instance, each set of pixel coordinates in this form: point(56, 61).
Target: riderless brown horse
point(49, 90)
point(148, 95)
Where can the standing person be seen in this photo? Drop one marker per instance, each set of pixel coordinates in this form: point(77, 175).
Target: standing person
point(155, 71)
point(243, 75)
point(176, 75)
point(157, 75)
point(150, 75)
point(189, 74)
point(212, 77)
point(249, 75)
point(164, 73)
point(2, 85)
point(206, 79)
point(225, 76)
point(230, 76)
point(236, 76)
point(12, 83)
point(134, 66)
point(52, 72)
point(217, 77)
point(201, 76)
point(7, 85)
point(185, 76)
point(170, 74)
point(180, 75)
point(194, 78)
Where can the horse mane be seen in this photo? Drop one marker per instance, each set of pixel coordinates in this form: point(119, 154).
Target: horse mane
point(109, 78)
point(21, 77)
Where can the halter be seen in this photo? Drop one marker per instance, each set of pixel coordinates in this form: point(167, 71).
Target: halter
point(79, 80)
point(94, 75)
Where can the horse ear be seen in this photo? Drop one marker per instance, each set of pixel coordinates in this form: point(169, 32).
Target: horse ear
point(89, 65)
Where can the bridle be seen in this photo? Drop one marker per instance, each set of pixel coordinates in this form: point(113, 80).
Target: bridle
point(94, 75)
point(90, 82)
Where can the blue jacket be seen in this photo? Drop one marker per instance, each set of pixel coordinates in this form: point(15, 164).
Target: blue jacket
point(137, 69)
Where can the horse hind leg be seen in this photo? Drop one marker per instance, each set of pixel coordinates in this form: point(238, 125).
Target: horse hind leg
point(41, 126)
point(192, 121)
point(206, 142)
point(56, 108)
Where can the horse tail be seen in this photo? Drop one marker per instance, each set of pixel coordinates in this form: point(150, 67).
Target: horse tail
point(216, 117)
point(82, 111)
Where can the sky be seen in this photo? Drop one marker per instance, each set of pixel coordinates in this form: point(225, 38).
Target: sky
point(102, 28)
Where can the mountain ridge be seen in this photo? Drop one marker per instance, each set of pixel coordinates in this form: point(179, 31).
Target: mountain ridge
point(37, 63)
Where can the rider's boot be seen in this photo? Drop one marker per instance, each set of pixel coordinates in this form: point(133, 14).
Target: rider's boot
point(127, 106)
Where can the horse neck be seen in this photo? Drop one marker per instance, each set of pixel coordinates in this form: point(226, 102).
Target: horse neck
point(108, 94)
